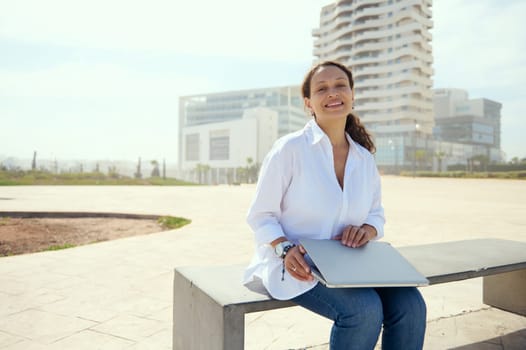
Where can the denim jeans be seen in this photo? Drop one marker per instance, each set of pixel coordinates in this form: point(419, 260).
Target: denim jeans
point(358, 315)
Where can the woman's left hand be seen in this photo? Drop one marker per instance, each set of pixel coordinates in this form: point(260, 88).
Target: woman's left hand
point(356, 236)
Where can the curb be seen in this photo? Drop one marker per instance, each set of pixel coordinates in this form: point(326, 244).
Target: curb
point(73, 214)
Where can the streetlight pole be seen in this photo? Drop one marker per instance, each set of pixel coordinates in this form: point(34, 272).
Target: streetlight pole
point(394, 147)
point(396, 157)
point(414, 148)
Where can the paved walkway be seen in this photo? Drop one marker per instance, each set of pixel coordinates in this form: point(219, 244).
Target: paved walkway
point(118, 294)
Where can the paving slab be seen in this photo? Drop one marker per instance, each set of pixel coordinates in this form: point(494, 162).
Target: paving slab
point(118, 294)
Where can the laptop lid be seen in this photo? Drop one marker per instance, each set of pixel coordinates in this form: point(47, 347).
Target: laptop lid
point(376, 264)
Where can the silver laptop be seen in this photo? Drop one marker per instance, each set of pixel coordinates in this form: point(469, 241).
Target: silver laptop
point(377, 264)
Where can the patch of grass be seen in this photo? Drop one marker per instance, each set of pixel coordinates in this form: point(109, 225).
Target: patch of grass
point(61, 246)
point(172, 222)
point(4, 220)
point(25, 178)
point(516, 175)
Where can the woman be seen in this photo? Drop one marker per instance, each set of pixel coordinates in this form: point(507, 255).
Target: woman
point(322, 182)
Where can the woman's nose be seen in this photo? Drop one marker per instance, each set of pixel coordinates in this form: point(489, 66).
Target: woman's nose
point(333, 92)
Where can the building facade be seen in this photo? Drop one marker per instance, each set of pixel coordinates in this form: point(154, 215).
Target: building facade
point(461, 119)
point(386, 43)
point(474, 122)
point(219, 132)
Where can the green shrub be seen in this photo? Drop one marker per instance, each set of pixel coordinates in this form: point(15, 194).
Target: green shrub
point(59, 247)
point(173, 222)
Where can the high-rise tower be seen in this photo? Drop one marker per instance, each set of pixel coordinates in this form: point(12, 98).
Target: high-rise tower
point(386, 43)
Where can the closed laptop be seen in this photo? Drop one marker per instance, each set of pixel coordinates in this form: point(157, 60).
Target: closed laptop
point(376, 264)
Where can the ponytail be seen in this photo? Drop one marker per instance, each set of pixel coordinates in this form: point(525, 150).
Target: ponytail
point(358, 133)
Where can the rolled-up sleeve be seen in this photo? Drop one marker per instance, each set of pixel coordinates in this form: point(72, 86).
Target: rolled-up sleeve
point(265, 211)
point(376, 217)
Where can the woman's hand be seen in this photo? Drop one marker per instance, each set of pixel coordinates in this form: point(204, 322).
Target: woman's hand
point(356, 236)
point(296, 265)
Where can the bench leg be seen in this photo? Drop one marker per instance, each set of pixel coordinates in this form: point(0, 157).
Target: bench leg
point(200, 323)
point(506, 291)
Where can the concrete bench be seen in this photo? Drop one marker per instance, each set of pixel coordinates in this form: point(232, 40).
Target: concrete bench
point(210, 303)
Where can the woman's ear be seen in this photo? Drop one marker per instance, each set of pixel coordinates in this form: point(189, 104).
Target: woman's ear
point(306, 101)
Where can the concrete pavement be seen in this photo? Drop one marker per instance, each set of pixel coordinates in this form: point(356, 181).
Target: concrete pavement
point(118, 294)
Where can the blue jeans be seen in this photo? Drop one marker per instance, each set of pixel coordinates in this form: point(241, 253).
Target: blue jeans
point(358, 315)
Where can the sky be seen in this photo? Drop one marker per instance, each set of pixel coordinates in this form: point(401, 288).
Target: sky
point(100, 79)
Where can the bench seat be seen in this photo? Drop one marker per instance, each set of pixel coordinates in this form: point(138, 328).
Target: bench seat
point(210, 302)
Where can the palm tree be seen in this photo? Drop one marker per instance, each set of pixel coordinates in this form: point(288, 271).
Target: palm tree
point(202, 171)
point(34, 162)
point(482, 160)
point(249, 167)
point(440, 155)
point(138, 173)
point(155, 170)
point(420, 157)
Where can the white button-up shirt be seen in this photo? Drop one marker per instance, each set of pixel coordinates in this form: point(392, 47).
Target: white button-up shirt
point(298, 195)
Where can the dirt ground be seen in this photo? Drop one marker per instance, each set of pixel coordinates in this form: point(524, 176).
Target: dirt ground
point(20, 236)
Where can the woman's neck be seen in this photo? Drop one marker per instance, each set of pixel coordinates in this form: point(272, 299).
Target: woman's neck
point(336, 134)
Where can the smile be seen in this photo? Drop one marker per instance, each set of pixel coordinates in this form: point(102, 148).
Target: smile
point(334, 104)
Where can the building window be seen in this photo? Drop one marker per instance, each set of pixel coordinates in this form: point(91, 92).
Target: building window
point(192, 147)
point(219, 145)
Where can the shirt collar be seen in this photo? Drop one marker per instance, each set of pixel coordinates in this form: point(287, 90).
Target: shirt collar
point(316, 134)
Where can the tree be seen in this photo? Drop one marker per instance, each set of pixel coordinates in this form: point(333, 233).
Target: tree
point(230, 176)
point(34, 162)
point(202, 172)
point(249, 168)
point(420, 157)
point(138, 174)
point(112, 172)
point(481, 161)
point(242, 174)
point(155, 170)
point(440, 155)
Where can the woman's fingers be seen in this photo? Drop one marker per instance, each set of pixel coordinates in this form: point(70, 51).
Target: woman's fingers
point(355, 236)
point(349, 235)
point(296, 264)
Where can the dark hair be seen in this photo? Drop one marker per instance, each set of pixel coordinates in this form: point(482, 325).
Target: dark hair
point(353, 126)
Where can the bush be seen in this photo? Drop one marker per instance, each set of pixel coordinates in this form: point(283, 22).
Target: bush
point(173, 222)
point(473, 175)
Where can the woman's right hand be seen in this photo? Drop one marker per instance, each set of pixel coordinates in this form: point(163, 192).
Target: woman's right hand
point(296, 265)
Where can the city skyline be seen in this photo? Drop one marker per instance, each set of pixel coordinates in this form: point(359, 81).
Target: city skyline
point(73, 89)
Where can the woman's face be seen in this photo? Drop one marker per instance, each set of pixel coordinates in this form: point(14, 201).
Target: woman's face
point(331, 96)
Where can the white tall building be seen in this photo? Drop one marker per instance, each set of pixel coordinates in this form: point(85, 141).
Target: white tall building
point(386, 43)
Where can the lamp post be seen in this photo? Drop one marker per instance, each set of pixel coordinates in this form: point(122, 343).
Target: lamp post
point(394, 148)
point(414, 147)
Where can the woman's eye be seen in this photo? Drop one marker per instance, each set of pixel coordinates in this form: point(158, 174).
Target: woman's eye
point(321, 89)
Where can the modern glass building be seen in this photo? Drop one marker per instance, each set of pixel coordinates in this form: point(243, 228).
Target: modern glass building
point(473, 122)
point(461, 119)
